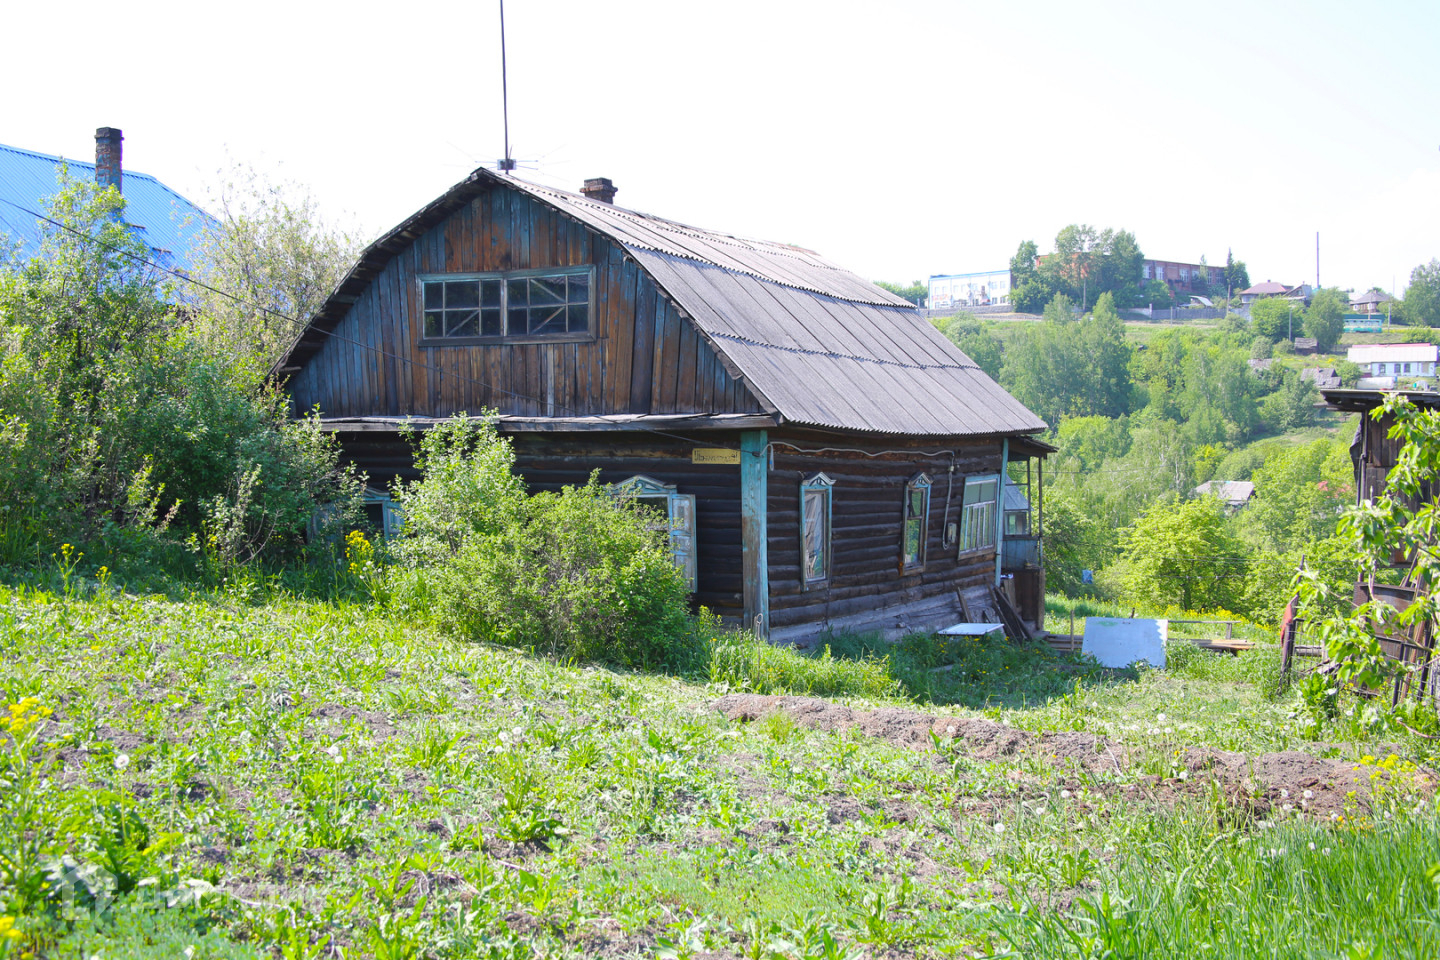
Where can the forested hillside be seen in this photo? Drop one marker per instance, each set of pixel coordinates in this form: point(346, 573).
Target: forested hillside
point(1141, 420)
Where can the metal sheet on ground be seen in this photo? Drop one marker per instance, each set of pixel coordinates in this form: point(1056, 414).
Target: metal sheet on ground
point(1117, 642)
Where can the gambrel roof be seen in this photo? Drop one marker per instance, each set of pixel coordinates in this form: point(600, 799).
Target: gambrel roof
point(815, 343)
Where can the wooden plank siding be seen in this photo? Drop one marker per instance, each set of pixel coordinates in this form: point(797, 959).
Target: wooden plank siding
point(643, 356)
point(866, 589)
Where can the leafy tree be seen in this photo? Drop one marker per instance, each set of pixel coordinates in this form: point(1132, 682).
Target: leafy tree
point(1261, 348)
point(916, 292)
point(1177, 553)
point(1275, 317)
point(1300, 493)
point(1348, 372)
point(1422, 297)
point(1092, 441)
point(276, 257)
point(1122, 266)
point(1072, 268)
point(1029, 292)
point(1237, 278)
point(975, 339)
point(1060, 309)
point(121, 426)
point(1066, 367)
point(1157, 294)
point(1293, 404)
point(1325, 318)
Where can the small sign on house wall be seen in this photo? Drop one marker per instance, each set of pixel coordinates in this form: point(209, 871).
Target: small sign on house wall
point(714, 455)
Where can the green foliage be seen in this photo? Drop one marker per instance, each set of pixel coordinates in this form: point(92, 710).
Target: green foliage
point(1066, 367)
point(1237, 278)
point(119, 426)
point(1261, 348)
point(574, 574)
point(1156, 293)
point(1374, 532)
point(1276, 317)
point(742, 662)
point(277, 259)
point(1325, 318)
point(915, 292)
point(1300, 493)
point(1292, 405)
point(1175, 554)
point(1348, 372)
point(1422, 296)
point(975, 339)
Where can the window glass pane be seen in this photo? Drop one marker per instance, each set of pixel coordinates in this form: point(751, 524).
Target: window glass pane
point(912, 541)
point(519, 293)
point(490, 323)
point(490, 293)
point(548, 319)
point(579, 320)
point(817, 533)
point(580, 288)
point(461, 323)
point(434, 296)
point(547, 290)
point(515, 322)
point(434, 324)
point(462, 293)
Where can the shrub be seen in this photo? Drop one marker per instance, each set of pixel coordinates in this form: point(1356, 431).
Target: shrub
point(574, 573)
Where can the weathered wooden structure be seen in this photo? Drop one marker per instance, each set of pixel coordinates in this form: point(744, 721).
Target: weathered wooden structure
point(826, 457)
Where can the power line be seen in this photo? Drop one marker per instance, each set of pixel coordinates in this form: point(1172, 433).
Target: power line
point(303, 326)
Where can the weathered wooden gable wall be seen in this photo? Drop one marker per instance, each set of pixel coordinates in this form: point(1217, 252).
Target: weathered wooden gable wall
point(867, 589)
point(644, 358)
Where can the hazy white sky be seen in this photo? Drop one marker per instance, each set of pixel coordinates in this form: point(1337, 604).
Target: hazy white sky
point(898, 138)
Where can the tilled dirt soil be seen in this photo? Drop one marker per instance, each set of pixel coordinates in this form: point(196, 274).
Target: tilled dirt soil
point(1292, 781)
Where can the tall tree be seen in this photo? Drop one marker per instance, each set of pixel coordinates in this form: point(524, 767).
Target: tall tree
point(1029, 291)
point(1122, 264)
point(1072, 266)
point(1237, 278)
point(276, 257)
point(1325, 318)
point(1422, 297)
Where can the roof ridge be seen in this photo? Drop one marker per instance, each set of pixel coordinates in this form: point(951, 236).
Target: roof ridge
point(643, 218)
point(71, 162)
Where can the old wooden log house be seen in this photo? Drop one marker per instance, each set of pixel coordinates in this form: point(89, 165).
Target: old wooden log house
point(826, 458)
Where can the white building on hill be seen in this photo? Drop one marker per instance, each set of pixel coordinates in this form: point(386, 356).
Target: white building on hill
point(1388, 365)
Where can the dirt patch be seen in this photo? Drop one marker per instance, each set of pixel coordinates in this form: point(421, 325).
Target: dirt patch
point(1287, 783)
point(336, 715)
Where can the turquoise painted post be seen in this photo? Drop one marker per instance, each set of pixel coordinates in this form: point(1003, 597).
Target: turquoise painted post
point(1000, 507)
point(754, 532)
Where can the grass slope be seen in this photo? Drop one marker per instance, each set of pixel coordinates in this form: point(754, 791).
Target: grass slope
point(300, 779)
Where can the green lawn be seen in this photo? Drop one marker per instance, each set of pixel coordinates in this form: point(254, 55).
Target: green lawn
point(303, 779)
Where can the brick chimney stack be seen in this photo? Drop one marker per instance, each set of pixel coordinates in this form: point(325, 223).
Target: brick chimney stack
point(107, 157)
point(598, 188)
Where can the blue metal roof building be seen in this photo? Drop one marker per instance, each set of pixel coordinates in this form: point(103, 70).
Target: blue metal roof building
point(169, 224)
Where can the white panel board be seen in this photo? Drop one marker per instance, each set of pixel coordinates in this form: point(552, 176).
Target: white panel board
point(1117, 642)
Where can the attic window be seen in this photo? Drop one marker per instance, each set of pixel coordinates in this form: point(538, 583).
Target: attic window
point(495, 307)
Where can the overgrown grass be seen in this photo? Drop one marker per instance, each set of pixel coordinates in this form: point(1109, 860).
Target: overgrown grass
point(297, 779)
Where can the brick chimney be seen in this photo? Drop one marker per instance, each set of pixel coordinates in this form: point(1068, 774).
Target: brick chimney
point(596, 188)
point(107, 157)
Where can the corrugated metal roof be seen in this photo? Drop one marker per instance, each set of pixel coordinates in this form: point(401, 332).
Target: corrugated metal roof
point(166, 222)
point(817, 344)
point(829, 362)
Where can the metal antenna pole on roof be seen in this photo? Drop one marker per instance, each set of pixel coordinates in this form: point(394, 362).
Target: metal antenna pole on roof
point(507, 163)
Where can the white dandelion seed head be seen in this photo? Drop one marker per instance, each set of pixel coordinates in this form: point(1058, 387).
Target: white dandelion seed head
point(122, 761)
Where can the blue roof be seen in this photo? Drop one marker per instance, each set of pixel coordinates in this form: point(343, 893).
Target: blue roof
point(169, 224)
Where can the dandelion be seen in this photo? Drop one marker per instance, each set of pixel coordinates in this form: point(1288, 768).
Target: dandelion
point(1308, 794)
point(1160, 718)
point(7, 929)
point(1312, 844)
point(1284, 793)
point(122, 761)
point(1064, 794)
point(1325, 851)
point(999, 828)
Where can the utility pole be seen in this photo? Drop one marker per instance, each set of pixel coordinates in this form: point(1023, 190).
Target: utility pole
point(1317, 259)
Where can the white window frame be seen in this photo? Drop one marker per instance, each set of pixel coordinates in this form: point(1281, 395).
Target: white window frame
point(822, 525)
point(392, 518)
point(505, 278)
point(680, 518)
point(979, 518)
